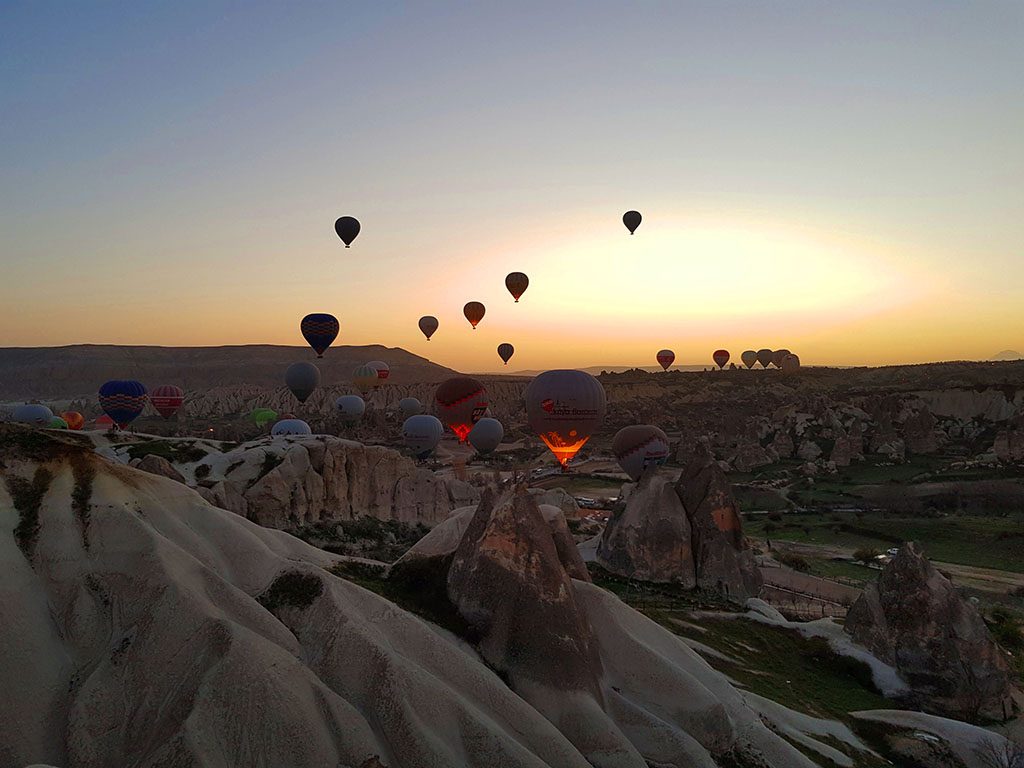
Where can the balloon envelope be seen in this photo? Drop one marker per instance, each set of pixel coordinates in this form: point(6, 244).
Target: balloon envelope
point(638, 447)
point(295, 427)
point(32, 413)
point(58, 423)
point(104, 422)
point(351, 408)
point(410, 406)
point(778, 356)
point(421, 434)
point(364, 378)
point(428, 324)
point(486, 435)
point(721, 357)
point(790, 363)
point(383, 370)
point(505, 352)
point(461, 403)
point(666, 357)
point(474, 312)
point(319, 330)
point(632, 220)
point(302, 379)
point(347, 228)
point(764, 357)
point(749, 358)
point(517, 283)
point(122, 401)
point(564, 408)
point(74, 419)
point(263, 416)
point(167, 399)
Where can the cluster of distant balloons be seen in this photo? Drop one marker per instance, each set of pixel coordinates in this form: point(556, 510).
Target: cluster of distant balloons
point(122, 402)
point(780, 358)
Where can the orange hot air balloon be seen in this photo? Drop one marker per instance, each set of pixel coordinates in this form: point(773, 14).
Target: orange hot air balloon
point(474, 312)
point(74, 419)
point(505, 352)
point(461, 403)
point(517, 283)
point(104, 422)
point(428, 324)
point(565, 408)
point(721, 357)
point(666, 357)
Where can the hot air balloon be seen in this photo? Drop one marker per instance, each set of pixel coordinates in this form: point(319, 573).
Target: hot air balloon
point(410, 406)
point(565, 408)
point(421, 434)
point(383, 370)
point(291, 427)
point(486, 435)
point(319, 330)
point(474, 312)
point(632, 220)
point(364, 378)
point(749, 358)
point(721, 357)
point(122, 401)
point(505, 352)
point(263, 416)
point(57, 423)
point(347, 229)
point(104, 422)
point(167, 399)
point(351, 408)
point(517, 283)
point(778, 356)
point(638, 447)
point(666, 357)
point(790, 363)
point(74, 419)
point(764, 357)
point(302, 379)
point(461, 403)
point(32, 413)
point(428, 324)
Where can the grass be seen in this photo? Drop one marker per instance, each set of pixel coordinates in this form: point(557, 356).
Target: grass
point(293, 589)
point(174, 452)
point(27, 498)
point(384, 540)
point(81, 495)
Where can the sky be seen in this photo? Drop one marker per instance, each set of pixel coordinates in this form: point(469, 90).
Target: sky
point(845, 180)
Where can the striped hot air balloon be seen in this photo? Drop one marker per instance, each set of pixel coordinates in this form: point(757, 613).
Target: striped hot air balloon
point(461, 403)
point(721, 357)
point(122, 401)
point(319, 330)
point(167, 399)
point(638, 447)
point(666, 357)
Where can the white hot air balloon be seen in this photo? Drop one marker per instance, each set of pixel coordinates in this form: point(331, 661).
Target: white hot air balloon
point(638, 447)
point(409, 406)
point(486, 435)
point(351, 408)
point(291, 428)
point(421, 434)
point(565, 408)
point(33, 413)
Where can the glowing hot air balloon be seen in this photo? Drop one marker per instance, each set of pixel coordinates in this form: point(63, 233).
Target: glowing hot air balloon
point(505, 351)
point(778, 356)
point(461, 403)
point(790, 363)
point(351, 408)
point(517, 283)
point(122, 401)
point(632, 220)
point(74, 419)
point(749, 358)
point(167, 399)
point(410, 406)
point(474, 312)
point(291, 428)
point(421, 434)
point(721, 357)
point(347, 229)
point(639, 447)
point(319, 330)
point(564, 408)
point(383, 370)
point(364, 378)
point(428, 324)
point(32, 413)
point(486, 435)
point(666, 357)
point(764, 357)
point(302, 379)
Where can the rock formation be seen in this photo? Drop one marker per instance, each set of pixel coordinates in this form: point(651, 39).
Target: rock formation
point(913, 619)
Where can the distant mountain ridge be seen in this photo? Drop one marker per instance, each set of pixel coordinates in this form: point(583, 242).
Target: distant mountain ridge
point(79, 370)
point(1008, 354)
point(596, 370)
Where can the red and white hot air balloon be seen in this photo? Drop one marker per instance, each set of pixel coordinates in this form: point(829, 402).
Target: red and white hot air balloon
point(666, 357)
point(721, 357)
point(565, 408)
point(167, 399)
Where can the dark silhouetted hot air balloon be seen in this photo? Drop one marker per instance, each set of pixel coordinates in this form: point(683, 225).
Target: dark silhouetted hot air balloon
point(57, 423)
point(638, 447)
point(302, 379)
point(517, 283)
point(778, 356)
point(351, 408)
point(666, 357)
point(790, 363)
point(383, 370)
point(364, 378)
point(122, 401)
point(461, 403)
point(749, 358)
point(291, 428)
point(421, 434)
point(32, 413)
point(428, 324)
point(347, 228)
point(167, 399)
point(474, 312)
point(764, 357)
point(632, 220)
point(319, 330)
point(410, 406)
point(486, 435)
point(505, 352)
point(263, 416)
point(721, 357)
point(564, 408)
point(74, 419)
